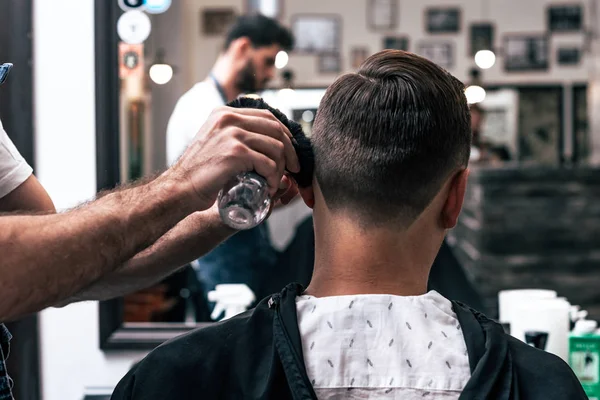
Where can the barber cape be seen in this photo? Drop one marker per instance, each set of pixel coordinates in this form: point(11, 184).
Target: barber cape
point(258, 355)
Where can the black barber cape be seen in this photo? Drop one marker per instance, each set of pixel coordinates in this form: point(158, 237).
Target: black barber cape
point(258, 355)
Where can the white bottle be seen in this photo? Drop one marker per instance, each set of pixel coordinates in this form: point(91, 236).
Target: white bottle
point(231, 298)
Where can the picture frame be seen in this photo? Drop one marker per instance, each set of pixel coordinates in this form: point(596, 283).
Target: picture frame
point(481, 37)
point(568, 56)
point(316, 33)
point(382, 15)
point(216, 21)
point(526, 53)
point(396, 42)
point(565, 18)
point(443, 20)
point(440, 53)
point(270, 8)
point(329, 63)
point(358, 55)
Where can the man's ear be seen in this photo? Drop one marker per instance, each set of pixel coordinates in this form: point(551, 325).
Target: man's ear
point(454, 201)
point(308, 195)
point(241, 46)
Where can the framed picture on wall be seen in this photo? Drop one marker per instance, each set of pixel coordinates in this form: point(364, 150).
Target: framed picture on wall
point(316, 33)
point(442, 20)
point(329, 63)
point(395, 43)
point(216, 21)
point(441, 53)
point(565, 18)
point(568, 55)
point(358, 55)
point(482, 37)
point(382, 14)
point(526, 53)
point(269, 8)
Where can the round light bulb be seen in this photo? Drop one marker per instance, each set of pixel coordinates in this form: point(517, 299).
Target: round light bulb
point(281, 59)
point(485, 59)
point(161, 73)
point(308, 116)
point(475, 94)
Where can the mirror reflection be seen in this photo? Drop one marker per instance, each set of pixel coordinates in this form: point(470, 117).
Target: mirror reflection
point(202, 54)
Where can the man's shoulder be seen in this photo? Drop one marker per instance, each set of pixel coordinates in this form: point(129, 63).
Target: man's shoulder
point(215, 341)
point(201, 92)
point(200, 361)
point(529, 358)
point(540, 370)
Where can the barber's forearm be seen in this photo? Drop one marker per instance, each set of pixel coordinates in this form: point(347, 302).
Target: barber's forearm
point(45, 259)
point(193, 237)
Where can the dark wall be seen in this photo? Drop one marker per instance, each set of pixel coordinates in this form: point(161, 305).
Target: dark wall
point(533, 228)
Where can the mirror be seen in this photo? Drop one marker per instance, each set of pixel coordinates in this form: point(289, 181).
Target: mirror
point(138, 86)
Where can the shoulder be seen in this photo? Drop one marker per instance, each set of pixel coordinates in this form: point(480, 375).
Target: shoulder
point(189, 363)
point(209, 343)
point(539, 369)
point(201, 96)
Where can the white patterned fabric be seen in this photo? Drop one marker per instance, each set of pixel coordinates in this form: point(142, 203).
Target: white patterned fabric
point(383, 346)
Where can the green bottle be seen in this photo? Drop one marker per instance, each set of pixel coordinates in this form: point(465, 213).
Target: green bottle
point(584, 356)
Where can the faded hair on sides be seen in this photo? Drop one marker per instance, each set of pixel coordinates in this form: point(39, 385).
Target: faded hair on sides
point(386, 138)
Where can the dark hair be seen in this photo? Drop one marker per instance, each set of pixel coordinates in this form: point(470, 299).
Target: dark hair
point(386, 138)
point(301, 143)
point(262, 31)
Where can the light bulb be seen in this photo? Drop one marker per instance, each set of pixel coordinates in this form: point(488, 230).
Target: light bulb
point(157, 6)
point(308, 116)
point(485, 59)
point(286, 94)
point(475, 94)
point(281, 59)
point(161, 73)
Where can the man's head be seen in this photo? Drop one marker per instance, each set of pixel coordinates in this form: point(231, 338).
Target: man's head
point(253, 42)
point(392, 141)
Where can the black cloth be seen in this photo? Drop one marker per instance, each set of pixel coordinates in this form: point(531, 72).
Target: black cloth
point(258, 355)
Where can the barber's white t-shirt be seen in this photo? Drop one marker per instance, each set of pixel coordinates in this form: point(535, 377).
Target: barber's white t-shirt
point(14, 170)
point(190, 113)
point(383, 346)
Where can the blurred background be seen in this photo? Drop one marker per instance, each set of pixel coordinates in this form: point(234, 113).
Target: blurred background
point(95, 85)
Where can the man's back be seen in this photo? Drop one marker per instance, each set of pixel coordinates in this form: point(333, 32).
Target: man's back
point(260, 355)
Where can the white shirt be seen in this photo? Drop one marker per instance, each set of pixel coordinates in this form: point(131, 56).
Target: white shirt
point(14, 170)
point(383, 346)
point(190, 113)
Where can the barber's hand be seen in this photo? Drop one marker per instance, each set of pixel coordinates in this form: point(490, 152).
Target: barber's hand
point(233, 141)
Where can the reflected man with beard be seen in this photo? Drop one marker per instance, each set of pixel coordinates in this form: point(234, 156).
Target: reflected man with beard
point(245, 65)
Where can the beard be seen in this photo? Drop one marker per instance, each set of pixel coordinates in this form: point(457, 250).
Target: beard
point(246, 81)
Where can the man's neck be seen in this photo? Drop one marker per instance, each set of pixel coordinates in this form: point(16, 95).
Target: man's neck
point(351, 260)
point(225, 75)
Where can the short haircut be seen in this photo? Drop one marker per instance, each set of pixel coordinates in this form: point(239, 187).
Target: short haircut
point(386, 138)
point(262, 32)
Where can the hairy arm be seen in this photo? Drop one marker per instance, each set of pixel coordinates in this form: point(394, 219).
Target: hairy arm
point(193, 237)
point(45, 259)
